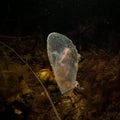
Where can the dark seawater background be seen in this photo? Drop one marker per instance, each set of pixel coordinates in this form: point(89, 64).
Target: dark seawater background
point(31, 16)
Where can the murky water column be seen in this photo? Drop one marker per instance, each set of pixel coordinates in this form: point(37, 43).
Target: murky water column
point(64, 58)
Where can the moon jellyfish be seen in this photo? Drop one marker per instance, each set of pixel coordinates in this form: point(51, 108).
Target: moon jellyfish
point(64, 58)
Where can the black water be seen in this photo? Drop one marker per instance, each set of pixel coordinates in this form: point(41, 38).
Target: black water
point(32, 16)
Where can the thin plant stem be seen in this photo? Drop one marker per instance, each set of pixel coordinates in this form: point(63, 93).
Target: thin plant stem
point(53, 106)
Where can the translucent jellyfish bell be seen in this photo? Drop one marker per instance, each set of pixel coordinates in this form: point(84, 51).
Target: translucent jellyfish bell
point(64, 58)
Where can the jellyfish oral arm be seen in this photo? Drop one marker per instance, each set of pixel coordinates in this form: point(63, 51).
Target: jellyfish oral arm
point(66, 52)
point(65, 57)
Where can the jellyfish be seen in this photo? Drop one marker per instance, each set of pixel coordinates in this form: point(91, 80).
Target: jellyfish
point(64, 58)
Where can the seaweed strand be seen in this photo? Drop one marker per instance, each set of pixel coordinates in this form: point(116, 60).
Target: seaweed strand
point(51, 102)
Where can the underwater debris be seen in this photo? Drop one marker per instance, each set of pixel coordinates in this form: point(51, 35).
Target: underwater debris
point(64, 60)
